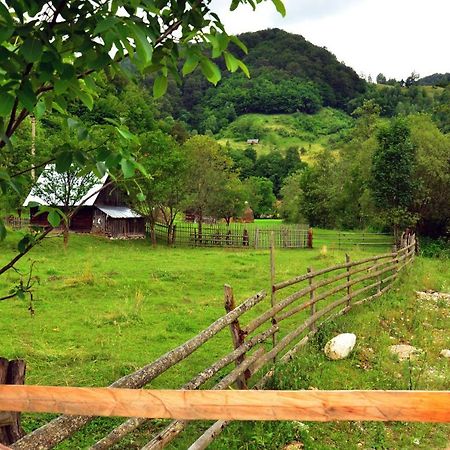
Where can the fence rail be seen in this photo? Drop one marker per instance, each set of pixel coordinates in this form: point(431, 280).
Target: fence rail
point(297, 308)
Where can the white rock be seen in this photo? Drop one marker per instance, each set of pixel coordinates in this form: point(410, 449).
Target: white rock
point(404, 351)
point(340, 346)
point(445, 353)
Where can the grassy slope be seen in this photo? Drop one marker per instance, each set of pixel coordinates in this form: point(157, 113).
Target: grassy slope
point(105, 308)
point(281, 131)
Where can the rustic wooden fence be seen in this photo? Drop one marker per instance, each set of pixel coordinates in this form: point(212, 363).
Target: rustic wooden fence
point(235, 235)
point(298, 307)
point(344, 240)
point(16, 223)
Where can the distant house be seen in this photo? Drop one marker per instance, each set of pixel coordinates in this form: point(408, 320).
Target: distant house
point(252, 141)
point(103, 209)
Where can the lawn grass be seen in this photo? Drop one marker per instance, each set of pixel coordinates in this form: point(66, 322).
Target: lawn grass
point(105, 308)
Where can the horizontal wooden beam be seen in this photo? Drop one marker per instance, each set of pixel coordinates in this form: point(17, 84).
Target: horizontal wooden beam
point(409, 406)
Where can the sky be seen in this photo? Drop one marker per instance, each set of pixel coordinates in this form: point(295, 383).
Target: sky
point(394, 37)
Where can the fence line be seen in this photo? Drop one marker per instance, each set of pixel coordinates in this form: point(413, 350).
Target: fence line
point(235, 235)
point(360, 281)
point(16, 223)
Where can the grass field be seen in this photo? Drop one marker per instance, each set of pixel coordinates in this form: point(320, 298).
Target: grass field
point(105, 308)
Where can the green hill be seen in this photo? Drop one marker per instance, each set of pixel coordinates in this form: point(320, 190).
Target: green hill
point(288, 75)
point(309, 133)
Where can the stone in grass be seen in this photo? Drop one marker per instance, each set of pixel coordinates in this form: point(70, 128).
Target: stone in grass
point(404, 351)
point(445, 353)
point(340, 346)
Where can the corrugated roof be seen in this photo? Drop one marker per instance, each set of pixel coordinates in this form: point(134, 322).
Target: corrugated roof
point(118, 212)
point(88, 199)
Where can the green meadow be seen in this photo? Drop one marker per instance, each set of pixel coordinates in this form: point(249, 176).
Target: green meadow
point(104, 308)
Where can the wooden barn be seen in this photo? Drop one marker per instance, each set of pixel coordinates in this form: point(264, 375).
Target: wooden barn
point(104, 207)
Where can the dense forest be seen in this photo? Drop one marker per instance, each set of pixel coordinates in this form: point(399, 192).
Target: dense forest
point(333, 150)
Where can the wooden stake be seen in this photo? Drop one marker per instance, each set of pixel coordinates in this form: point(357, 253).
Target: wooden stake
point(272, 283)
point(315, 405)
point(237, 336)
point(349, 288)
point(313, 326)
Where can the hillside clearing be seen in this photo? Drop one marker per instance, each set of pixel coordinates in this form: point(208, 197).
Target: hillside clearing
point(309, 133)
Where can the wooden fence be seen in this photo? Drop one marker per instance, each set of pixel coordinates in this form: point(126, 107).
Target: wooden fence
point(344, 240)
point(234, 236)
point(298, 307)
point(16, 223)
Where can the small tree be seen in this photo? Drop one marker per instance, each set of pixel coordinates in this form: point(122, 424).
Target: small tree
point(64, 190)
point(393, 186)
point(260, 195)
point(209, 172)
point(162, 192)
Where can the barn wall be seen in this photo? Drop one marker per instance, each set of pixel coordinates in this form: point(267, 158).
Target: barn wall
point(125, 227)
point(81, 221)
point(111, 196)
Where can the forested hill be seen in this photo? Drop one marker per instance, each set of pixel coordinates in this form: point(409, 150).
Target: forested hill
point(288, 74)
point(437, 79)
point(294, 56)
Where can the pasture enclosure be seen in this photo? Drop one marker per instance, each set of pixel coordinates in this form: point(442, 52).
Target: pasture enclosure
point(235, 235)
point(272, 332)
point(255, 236)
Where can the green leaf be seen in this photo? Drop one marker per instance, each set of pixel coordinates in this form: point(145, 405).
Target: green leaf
point(143, 47)
point(6, 103)
point(54, 219)
point(63, 161)
point(27, 96)
point(105, 24)
point(61, 86)
point(141, 196)
point(231, 61)
point(87, 99)
point(210, 70)
point(23, 243)
point(39, 110)
point(280, 7)
point(160, 86)
point(31, 49)
point(190, 64)
point(239, 43)
point(6, 33)
point(4, 13)
point(127, 167)
point(128, 135)
point(244, 68)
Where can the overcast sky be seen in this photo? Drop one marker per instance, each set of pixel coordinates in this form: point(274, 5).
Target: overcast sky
point(394, 37)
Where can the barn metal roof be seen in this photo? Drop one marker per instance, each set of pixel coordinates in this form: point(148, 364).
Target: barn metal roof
point(88, 199)
point(118, 212)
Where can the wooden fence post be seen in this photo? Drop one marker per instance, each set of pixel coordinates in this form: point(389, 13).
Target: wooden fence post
point(349, 288)
point(11, 372)
point(237, 336)
point(272, 283)
point(310, 237)
point(313, 326)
